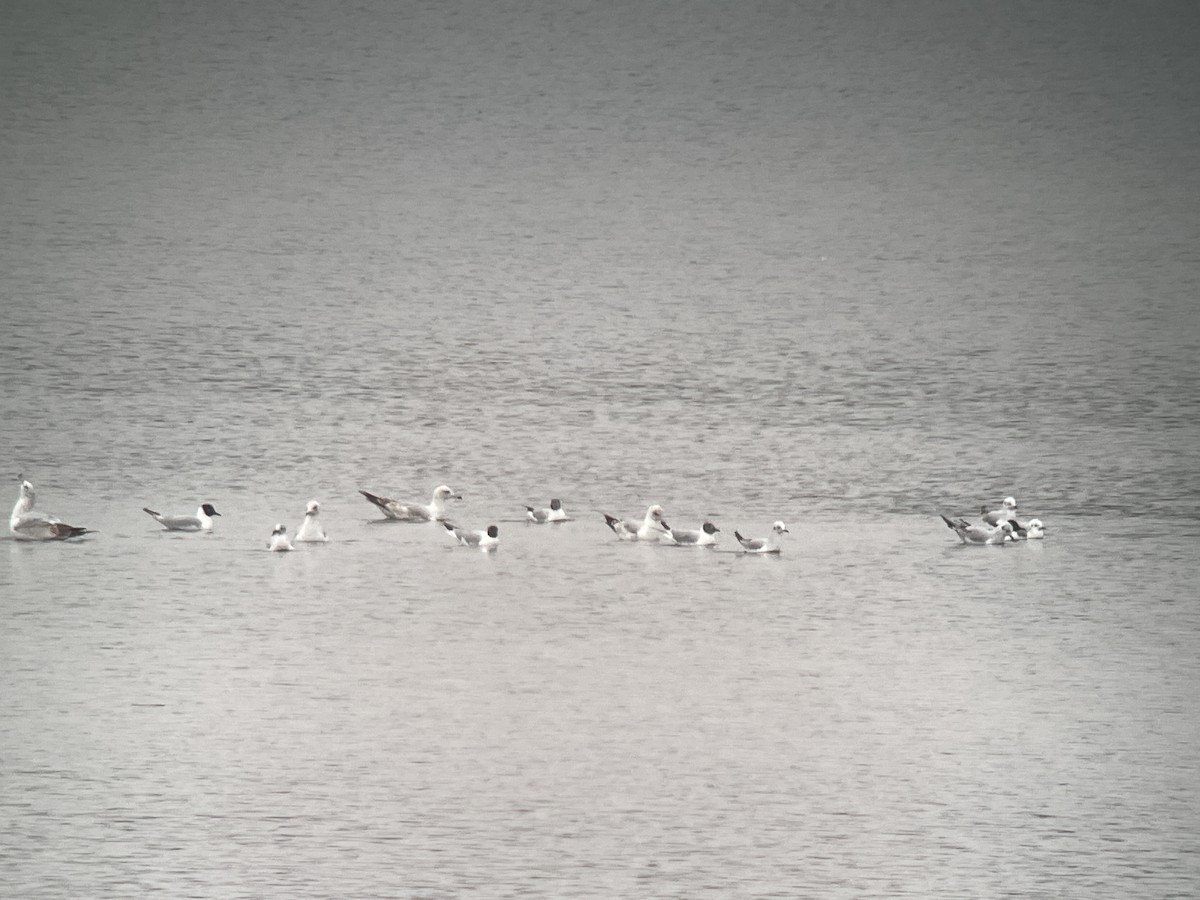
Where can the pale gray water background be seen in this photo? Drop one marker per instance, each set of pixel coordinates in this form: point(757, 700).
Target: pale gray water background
point(846, 265)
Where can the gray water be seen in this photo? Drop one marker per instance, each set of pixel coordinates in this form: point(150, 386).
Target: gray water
point(849, 266)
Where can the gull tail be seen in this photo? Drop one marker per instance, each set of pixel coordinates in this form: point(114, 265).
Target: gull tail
point(64, 531)
point(373, 498)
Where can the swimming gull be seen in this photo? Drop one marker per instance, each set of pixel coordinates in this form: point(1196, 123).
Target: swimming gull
point(651, 528)
point(279, 540)
point(705, 537)
point(769, 544)
point(310, 530)
point(433, 511)
point(979, 534)
point(27, 525)
point(201, 521)
point(484, 540)
point(541, 516)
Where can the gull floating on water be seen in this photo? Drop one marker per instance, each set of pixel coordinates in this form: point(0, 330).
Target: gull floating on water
point(201, 521)
point(1006, 512)
point(705, 537)
point(979, 534)
point(1033, 530)
point(31, 526)
point(484, 540)
point(435, 510)
point(554, 514)
point(279, 540)
point(651, 528)
point(310, 530)
point(763, 545)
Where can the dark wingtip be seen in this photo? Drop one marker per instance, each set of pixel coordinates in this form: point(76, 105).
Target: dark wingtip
point(738, 535)
point(610, 521)
point(949, 524)
point(148, 510)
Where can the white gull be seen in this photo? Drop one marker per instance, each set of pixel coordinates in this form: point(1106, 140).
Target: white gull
point(651, 528)
point(541, 516)
point(484, 540)
point(27, 525)
point(979, 534)
point(769, 544)
point(705, 537)
point(310, 530)
point(433, 511)
point(279, 540)
point(201, 521)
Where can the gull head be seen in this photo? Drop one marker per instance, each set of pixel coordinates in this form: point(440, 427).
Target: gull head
point(710, 528)
point(556, 503)
point(442, 492)
point(1010, 503)
point(313, 508)
point(493, 531)
point(780, 528)
point(209, 509)
point(279, 529)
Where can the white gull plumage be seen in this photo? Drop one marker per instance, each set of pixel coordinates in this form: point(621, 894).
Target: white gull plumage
point(433, 511)
point(769, 544)
point(201, 521)
point(279, 540)
point(706, 536)
point(27, 525)
point(484, 540)
point(651, 528)
point(310, 530)
point(979, 534)
point(541, 516)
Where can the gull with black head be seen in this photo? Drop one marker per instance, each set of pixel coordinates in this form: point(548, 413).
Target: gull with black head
point(201, 521)
point(488, 539)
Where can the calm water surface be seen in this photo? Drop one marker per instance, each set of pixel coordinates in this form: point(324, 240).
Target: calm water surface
point(845, 267)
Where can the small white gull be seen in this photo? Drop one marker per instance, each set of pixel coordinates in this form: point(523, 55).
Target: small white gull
point(433, 511)
point(201, 521)
point(1035, 530)
point(484, 540)
point(651, 528)
point(279, 540)
point(769, 544)
point(979, 534)
point(27, 525)
point(705, 537)
point(541, 516)
point(310, 530)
